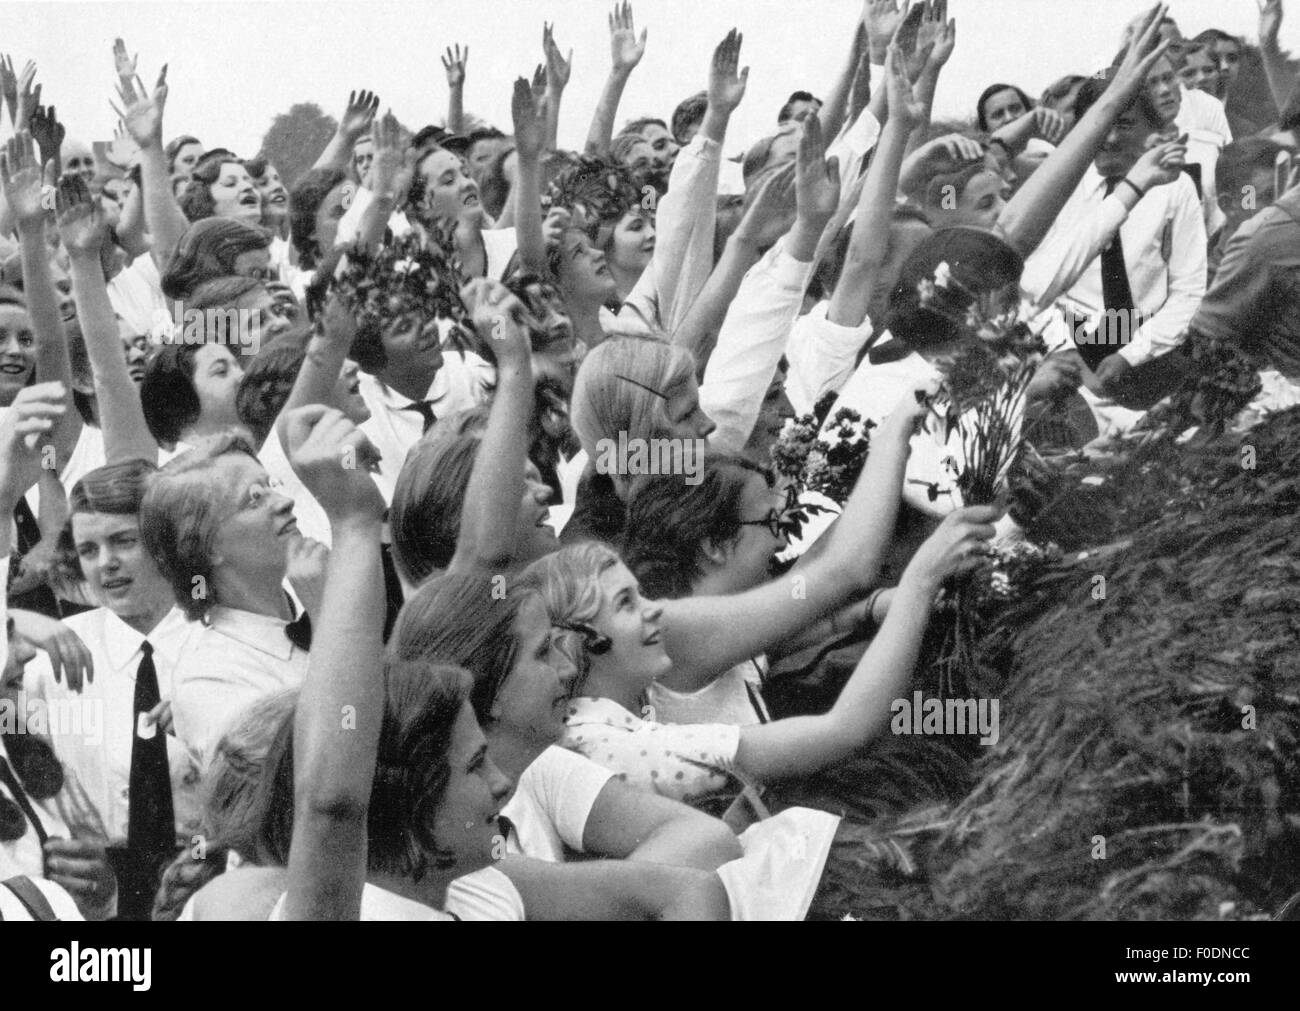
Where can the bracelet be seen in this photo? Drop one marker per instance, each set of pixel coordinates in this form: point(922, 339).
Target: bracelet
point(1134, 187)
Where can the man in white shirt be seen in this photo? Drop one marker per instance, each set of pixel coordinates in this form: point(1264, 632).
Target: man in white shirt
point(1130, 305)
point(137, 633)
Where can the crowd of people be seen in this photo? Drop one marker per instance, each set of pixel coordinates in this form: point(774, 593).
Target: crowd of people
point(343, 579)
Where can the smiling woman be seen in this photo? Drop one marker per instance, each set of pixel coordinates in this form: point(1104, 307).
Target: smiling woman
point(220, 185)
point(17, 345)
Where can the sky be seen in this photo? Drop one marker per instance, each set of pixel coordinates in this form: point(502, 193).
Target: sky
point(235, 65)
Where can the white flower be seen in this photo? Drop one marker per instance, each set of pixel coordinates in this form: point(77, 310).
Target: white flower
point(942, 275)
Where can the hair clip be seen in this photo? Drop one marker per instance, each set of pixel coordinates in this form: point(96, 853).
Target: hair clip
point(597, 644)
point(648, 389)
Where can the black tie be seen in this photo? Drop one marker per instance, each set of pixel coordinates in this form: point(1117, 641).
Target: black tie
point(1117, 297)
point(1193, 172)
point(151, 825)
point(20, 797)
point(425, 409)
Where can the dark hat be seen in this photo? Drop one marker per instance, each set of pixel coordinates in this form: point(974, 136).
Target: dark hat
point(431, 135)
point(455, 143)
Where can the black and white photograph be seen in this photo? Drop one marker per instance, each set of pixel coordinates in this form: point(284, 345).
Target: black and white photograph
point(577, 460)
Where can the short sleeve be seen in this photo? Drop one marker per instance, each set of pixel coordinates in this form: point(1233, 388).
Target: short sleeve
point(685, 762)
point(564, 786)
point(484, 895)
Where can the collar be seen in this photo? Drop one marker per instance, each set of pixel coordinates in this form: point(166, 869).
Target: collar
point(122, 642)
point(390, 399)
point(584, 710)
point(256, 631)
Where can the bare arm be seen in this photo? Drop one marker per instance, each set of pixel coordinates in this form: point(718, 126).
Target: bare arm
point(625, 53)
point(1280, 80)
point(558, 70)
point(866, 253)
point(453, 62)
point(1026, 219)
point(626, 823)
point(616, 890)
point(353, 125)
point(23, 189)
point(530, 137)
point(143, 116)
point(804, 744)
point(335, 758)
point(835, 110)
point(496, 484)
point(706, 636)
point(84, 231)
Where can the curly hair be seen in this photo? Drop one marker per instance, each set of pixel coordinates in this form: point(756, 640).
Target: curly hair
point(266, 385)
point(308, 193)
point(196, 199)
point(208, 250)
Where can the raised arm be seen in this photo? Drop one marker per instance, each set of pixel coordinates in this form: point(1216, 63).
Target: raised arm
point(558, 70)
point(1281, 82)
point(804, 744)
point(353, 125)
point(453, 62)
point(143, 117)
point(326, 352)
point(84, 232)
point(626, 823)
point(626, 51)
point(866, 253)
point(835, 110)
point(935, 41)
point(530, 139)
point(616, 890)
point(490, 512)
point(391, 173)
point(23, 190)
point(769, 216)
point(335, 756)
point(1030, 213)
point(706, 636)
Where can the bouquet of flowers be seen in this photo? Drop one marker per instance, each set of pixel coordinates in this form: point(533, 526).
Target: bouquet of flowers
point(829, 465)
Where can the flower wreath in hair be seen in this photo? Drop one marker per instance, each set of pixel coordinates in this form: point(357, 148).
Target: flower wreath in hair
point(406, 275)
point(603, 189)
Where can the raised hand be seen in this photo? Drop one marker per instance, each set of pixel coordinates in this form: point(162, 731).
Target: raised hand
point(359, 114)
point(29, 422)
point(9, 86)
point(908, 39)
point(557, 67)
point(82, 224)
point(48, 133)
point(123, 64)
point(772, 210)
point(624, 47)
point(29, 97)
point(454, 64)
point(898, 91)
point(529, 113)
point(726, 86)
point(539, 82)
point(23, 181)
point(942, 41)
point(333, 458)
point(393, 166)
point(934, 17)
point(143, 115)
point(307, 560)
point(1270, 20)
point(881, 19)
point(816, 179)
point(1143, 49)
point(499, 319)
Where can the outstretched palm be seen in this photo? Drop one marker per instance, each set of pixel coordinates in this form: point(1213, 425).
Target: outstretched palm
point(81, 222)
point(625, 49)
point(21, 177)
point(359, 114)
point(726, 86)
point(142, 114)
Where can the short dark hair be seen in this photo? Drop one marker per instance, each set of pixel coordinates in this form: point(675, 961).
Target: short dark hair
point(196, 199)
point(670, 520)
point(689, 112)
point(266, 385)
point(207, 250)
point(116, 489)
point(167, 394)
point(1240, 160)
point(787, 110)
point(308, 193)
point(981, 119)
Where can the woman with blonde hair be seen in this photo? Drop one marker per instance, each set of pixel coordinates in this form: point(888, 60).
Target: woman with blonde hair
point(628, 388)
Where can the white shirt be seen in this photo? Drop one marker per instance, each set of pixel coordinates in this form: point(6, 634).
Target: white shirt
point(24, 854)
point(462, 382)
point(822, 356)
point(551, 804)
point(86, 455)
point(100, 753)
point(485, 895)
point(1203, 119)
point(1165, 254)
point(750, 345)
point(733, 697)
point(137, 296)
point(224, 667)
point(685, 221)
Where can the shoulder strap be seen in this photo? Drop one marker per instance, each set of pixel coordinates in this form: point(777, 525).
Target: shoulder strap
point(32, 898)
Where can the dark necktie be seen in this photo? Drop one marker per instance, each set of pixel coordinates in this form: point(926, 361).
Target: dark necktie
point(1193, 172)
point(20, 797)
point(1120, 319)
point(425, 410)
point(151, 824)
